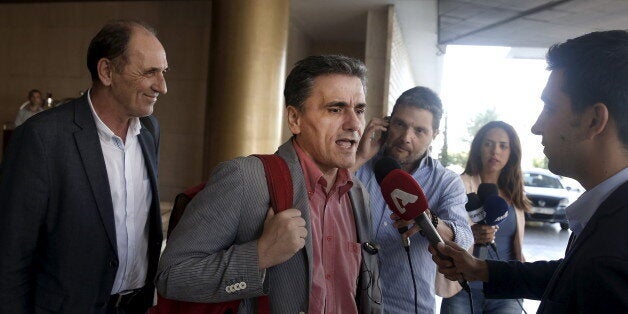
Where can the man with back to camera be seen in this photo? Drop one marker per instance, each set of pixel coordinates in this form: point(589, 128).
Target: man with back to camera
point(229, 245)
point(30, 108)
point(412, 128)
point(584, 131)
point(80, 224)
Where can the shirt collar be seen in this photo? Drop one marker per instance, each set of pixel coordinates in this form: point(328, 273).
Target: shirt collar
point(313, 175)
point(580, 212)
point(104, 132)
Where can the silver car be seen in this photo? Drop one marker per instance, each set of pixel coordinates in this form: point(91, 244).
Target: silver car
point(550, 194)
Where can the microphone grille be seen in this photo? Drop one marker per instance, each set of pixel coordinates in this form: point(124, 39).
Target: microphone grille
point(487, 189)
point(496, 210)
point(383, 167)
point(473, 202)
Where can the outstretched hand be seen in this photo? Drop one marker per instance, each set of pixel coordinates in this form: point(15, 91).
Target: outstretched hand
point(457, 264)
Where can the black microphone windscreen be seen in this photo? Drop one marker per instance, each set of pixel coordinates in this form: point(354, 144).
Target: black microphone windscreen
point(473, 202)
point(383, 167)
point(487, 189)
point(496, 210)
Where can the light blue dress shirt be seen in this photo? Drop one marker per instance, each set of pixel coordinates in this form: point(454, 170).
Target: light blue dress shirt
point(446, 197)
point(131, 196)
point(580, 212)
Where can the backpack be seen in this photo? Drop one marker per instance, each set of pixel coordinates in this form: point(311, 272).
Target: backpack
point(279, 183)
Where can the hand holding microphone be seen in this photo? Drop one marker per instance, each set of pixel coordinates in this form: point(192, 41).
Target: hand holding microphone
point(405, 197)
point(487, 210)
point(382, 168)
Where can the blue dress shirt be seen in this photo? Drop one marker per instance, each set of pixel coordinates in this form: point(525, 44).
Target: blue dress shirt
point(446, 197)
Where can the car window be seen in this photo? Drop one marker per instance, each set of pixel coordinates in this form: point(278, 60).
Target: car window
point(541, 181)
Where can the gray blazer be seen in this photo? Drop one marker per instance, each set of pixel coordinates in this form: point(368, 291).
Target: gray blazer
point(214, 246)
point(57, 230)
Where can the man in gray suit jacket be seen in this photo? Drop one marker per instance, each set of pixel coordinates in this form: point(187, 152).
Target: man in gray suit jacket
point(80, 227)
point(310, 258)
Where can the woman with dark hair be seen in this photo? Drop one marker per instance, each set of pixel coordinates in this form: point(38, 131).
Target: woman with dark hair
point(495, 157)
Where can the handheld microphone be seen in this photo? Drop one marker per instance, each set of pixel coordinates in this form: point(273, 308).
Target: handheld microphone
point(406, 199)
point(496, 210)
point(382, 168)
point(474, 208)
point(486, 208)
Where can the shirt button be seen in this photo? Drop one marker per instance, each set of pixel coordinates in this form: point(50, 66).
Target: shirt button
point(329, 238)
point(328, 276)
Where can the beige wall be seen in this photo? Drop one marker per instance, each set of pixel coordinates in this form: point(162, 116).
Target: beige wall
point(44, 46)
point(301, 45)
point(377, 57)
point(401, 78)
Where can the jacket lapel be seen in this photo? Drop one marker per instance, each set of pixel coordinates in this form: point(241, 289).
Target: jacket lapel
point(301, 200)
point(149, 151)
point(88, 146)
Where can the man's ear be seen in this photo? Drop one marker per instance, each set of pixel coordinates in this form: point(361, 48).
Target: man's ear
point(294, 119)
point(105, 69)
point(596, 119)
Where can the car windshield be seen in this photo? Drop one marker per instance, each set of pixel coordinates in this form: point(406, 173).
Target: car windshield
point(541, 181)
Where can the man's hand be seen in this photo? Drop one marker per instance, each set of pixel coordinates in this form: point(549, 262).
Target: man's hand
point(483, 234)
point(443, 229)
point(284, 234)
point(457, 264)
point(370, 143)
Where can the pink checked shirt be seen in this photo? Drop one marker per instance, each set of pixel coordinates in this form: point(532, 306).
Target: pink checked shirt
point(334, 240)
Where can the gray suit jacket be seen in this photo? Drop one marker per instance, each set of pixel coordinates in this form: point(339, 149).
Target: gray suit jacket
point(214, 246)
point(57, 230)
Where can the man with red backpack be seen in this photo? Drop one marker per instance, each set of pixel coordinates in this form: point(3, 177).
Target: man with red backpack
point(314, 257)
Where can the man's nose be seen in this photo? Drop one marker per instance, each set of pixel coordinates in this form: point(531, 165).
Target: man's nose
point(408, 135)
point(353, 121)
point(536, 127)
point(160, 84)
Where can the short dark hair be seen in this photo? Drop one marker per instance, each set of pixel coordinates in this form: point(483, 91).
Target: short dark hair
point(422, 98)
point(32, 92)
point(595, 70)
point(301, 79)
point(510, 178)
point(111, 42)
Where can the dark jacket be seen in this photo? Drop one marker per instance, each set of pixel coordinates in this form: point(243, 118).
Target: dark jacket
point(593, 276)
point(57, 230)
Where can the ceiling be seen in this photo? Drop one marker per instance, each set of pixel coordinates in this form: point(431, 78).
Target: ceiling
point(529, 23)
point(529, 26)
point(512, 23)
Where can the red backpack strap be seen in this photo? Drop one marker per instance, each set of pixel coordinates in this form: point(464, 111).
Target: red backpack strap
point(279, 181)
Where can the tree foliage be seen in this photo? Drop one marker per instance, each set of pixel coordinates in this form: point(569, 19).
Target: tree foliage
point(477, 122)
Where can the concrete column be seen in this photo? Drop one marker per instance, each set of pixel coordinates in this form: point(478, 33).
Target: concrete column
point(422, 25)
point(247, 65)
point(376, 57)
